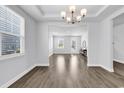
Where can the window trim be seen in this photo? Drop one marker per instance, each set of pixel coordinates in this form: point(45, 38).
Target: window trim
point(5, 57)
point(22, 37)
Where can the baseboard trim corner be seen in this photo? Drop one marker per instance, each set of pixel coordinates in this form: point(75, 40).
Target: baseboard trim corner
point(108, 69)
point(50, 54)
point(97, 65)
point(41, 64)
point(119, 61)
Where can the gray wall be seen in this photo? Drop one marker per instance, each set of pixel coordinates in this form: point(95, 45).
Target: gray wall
point(12, 67)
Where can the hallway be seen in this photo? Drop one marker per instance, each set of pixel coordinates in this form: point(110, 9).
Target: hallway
point(69, 71)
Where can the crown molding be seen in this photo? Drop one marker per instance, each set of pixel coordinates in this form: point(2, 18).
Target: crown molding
point(57, 17)
point(40, 9)
point(93, 15)
point(101, 10)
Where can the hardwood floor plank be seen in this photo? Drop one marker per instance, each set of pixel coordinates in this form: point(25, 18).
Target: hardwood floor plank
point(69, 71)
point(119, 68)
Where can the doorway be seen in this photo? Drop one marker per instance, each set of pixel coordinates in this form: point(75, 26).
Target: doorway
point(118, 44)
point(65, 43)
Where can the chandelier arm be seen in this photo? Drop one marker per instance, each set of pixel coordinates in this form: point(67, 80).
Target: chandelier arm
point(73, 19)
point(72, 15)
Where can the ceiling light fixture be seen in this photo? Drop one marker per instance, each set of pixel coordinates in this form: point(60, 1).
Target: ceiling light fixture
point(73, 18)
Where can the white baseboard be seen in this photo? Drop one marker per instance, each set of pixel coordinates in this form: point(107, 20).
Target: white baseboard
point(10, 82)
point(50, 54)
point(66, 53)
point(108, 69)
point(97, 65)
point(119, 61)
point(41, 64)
point(93, 65)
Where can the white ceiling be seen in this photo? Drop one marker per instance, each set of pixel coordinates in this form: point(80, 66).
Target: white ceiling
point(52, 12)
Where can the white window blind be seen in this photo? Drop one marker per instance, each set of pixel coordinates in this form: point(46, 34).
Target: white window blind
point(11, 32)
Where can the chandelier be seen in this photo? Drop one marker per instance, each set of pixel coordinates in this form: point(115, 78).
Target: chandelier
point(72, 17)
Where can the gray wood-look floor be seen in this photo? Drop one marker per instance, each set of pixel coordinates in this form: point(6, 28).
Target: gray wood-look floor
point(119, 68)
point(69, 71)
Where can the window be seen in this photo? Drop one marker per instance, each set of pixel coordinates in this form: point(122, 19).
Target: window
point(61, 43)
point(11, 32)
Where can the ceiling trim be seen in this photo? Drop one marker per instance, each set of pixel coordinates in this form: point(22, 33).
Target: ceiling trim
point(93, 15)
point(40, 9)
point(45, 17)
point(101, 10)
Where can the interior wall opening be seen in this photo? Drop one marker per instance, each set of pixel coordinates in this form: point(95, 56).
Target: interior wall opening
point(68, 40)
point(118, 44)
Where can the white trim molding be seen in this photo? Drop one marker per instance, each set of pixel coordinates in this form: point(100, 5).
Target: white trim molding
point(98, 65)
point(108, 69)
point(41, 65)
point(93, 65)
point(101, 10)
point(66, 53)
point(50, 54)
point(6, 57)
point(119, 61)
point(41, 16)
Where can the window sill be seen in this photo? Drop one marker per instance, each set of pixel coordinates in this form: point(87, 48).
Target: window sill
point(5, 57)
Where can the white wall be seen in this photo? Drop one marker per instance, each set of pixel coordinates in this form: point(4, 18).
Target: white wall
point(106, 45)
point(100, 44)
point(118, 38)
point(93, 44)
point(67, 44)
point(119, 43)
point(12, 67)
point(106, 41)
point(43, 44)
